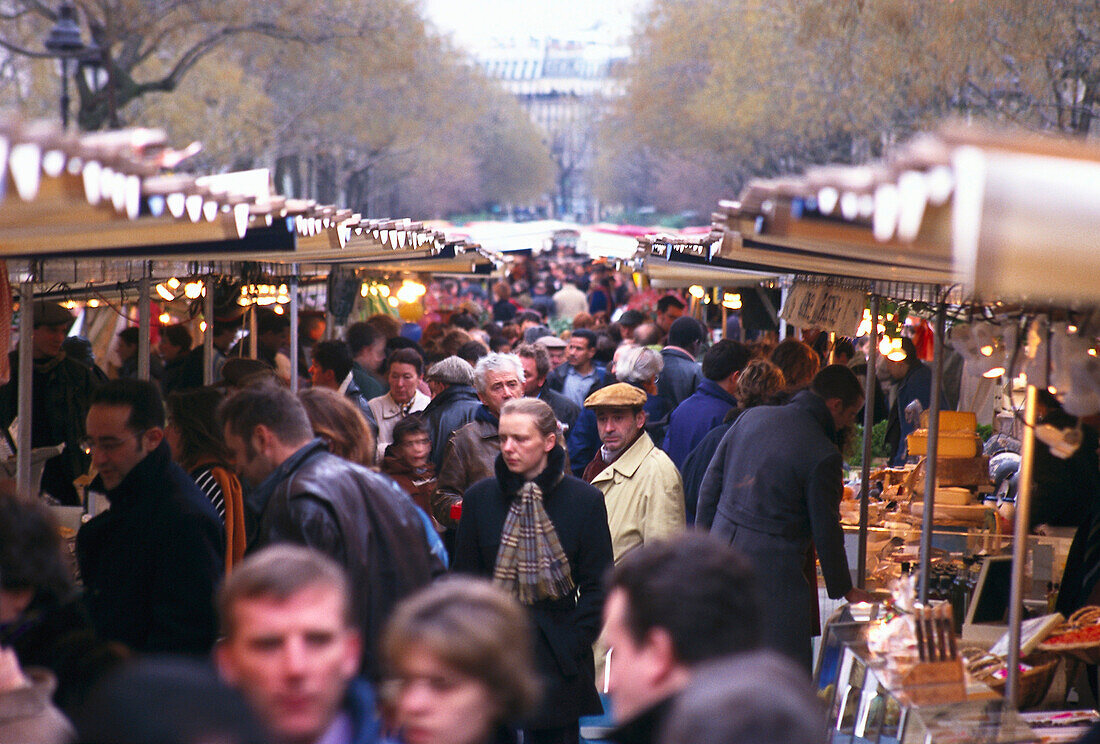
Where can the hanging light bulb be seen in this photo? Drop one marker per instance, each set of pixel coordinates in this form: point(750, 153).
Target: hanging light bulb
point(165, 319)
point(192, 290)
point(891, 349)
point(279, 310)
point(173, 284)
point(166, 294)
point(202, 326)
point(697, 291)
point(93, 302)
point(393, 302)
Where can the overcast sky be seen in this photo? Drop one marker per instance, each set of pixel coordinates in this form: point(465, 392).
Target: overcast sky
point(475, 23)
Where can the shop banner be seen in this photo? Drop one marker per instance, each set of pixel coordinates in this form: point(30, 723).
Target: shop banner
point(829, 308)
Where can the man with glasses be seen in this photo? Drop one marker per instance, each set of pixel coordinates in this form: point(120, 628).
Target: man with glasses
point(151, 561)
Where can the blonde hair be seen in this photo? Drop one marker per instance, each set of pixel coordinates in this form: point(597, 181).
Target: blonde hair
point(339, 422)
point(539, 411)
point(477, 630)
point(759, 381)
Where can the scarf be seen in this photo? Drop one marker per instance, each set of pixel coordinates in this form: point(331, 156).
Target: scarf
point(531, 562)
point(48, 364)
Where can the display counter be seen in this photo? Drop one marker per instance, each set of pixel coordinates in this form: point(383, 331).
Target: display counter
point(867, 705)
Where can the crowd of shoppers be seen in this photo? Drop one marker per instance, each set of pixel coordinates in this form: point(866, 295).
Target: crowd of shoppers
point(444, 531)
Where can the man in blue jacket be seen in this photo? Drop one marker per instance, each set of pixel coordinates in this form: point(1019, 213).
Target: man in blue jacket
point(708, 406)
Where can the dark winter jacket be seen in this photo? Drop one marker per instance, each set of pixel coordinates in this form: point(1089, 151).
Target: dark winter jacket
point(693, 418)
point(58, 635)
point(356, 516)
point(773, 491)
point(695, 467)
point(566, 628)
point(565, 410)
point(151, 562)
point(447, 413)
point(680, 377)
point(468, 458)
point(62, 392)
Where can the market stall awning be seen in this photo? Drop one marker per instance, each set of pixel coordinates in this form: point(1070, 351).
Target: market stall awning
point(103, 193)
point(1005, 216)
point(672, 262)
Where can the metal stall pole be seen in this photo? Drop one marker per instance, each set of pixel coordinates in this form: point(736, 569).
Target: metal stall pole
point(208, 335)
point(868, 424)
point(253, 338)
point(783, 292)
point(293, 327)
point(143, 321)
point(25, 391)
point(1019, 548)
point(933, 453)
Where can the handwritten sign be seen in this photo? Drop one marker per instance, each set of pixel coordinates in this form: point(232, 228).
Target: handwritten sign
point(829, 308)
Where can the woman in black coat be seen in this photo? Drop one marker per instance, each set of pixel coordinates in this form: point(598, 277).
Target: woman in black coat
point(532, 493)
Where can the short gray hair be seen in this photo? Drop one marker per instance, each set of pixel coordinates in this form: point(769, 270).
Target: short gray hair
point(496, 362)
point(639, 365)
point(451, 371)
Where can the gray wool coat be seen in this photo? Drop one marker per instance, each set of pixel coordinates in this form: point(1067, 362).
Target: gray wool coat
point(773, 491)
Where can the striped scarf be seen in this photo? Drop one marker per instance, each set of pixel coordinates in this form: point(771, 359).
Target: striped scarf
point(531, 563)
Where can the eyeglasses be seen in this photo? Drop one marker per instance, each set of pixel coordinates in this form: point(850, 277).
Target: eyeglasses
point(107, 444)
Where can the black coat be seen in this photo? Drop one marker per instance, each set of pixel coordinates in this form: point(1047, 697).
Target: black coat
point(565, 629)
point(451, 409)
point(565, 410)
point(773, 491)
point(63, 392)
point(695, 467)
point(150, 563)
point(58, 635)
point(362, 519)
point(680, 377)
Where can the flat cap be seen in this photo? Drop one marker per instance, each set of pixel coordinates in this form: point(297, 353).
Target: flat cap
point(619, 395)
point(51, 314)
point(451, 371)
point(551, 342)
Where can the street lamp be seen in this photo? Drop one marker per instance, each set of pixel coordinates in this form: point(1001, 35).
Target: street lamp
point(65, 43)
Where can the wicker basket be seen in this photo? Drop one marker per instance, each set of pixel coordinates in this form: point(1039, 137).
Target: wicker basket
point(1089, 651)
point(1034, 684)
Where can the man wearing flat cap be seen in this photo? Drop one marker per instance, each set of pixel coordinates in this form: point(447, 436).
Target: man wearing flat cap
point(62, 392)
point(641, 486)
point(454, 402)
point(555, 347)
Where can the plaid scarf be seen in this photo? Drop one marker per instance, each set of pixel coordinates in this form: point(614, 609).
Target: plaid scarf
point(531, 563)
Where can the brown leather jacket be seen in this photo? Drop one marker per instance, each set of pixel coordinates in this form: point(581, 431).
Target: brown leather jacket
point(467, 458)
